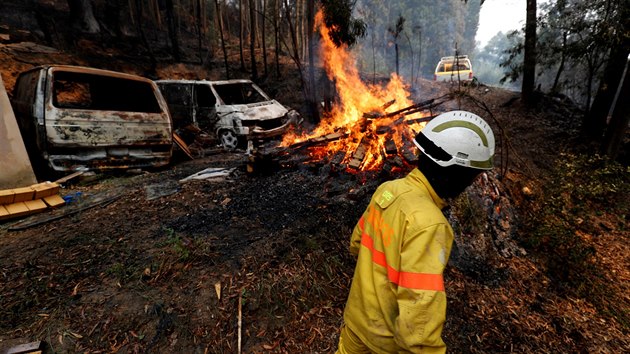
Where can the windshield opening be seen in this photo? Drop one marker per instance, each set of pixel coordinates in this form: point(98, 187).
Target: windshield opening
point(239, 93)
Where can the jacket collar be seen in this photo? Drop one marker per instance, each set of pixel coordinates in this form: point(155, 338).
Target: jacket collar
point(416, 177)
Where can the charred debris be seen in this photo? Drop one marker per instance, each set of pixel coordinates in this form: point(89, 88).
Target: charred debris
point(395, 157)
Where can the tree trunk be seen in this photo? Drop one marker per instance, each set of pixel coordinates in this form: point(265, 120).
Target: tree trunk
point(310, 13)
point(82, 15)
point(373, 58)
point(299, 27)
point(241, 34)
point(529, 61)
point(172, 30)
point(252, 38)
point(262, 35)
point(620, 118)
point(412, 59)
point(199, 31)
point(595, 122)
point(220, 23)
point(295, 55)
point(556, 81)
point(153, 69)
point(397, 65)
point(276, 34)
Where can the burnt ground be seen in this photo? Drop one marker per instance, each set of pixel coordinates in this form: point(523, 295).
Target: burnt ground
point(540, 262)
point(141, 273)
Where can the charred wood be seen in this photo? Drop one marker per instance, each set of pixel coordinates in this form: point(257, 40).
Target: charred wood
point(359, 154)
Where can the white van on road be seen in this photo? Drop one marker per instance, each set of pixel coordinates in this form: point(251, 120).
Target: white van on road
point(454, 68)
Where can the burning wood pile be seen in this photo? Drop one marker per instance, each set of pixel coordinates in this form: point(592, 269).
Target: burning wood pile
point(378, 140)
point(359, 133)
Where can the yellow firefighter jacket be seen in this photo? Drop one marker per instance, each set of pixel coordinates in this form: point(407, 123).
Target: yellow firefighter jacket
point(397, 301)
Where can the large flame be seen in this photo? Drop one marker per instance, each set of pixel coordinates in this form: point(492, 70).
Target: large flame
point(356, 98)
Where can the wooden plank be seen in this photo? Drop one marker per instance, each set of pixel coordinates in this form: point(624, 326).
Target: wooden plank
point(4, 213)
point(359, 154)
point(320, 139)
point(182, 145)
point(390, 147)
point(65, 179)
point(17, 209)
point(54, 201)
point(36, 205)
point(23, 194)
point(101, 201)
point(6, 196)
point(45, 189)
point(338, 157)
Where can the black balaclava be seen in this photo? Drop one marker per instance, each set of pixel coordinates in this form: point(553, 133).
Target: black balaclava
point(448, 182)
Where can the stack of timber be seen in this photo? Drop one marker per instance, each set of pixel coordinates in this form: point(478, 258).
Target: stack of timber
point(18, 202)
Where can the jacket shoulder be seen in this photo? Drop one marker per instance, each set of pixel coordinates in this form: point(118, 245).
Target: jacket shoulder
point(387, 193)
point(411, 200)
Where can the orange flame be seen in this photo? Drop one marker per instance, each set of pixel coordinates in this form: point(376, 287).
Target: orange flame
point(355, 99)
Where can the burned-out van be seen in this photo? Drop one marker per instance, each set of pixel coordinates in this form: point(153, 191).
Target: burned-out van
point(235, 110)
point(78, 118)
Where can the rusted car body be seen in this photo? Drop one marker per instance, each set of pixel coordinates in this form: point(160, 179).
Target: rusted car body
point(79, 118)
point(235, 110)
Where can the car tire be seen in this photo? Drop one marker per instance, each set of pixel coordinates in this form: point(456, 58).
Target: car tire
point(228, 139)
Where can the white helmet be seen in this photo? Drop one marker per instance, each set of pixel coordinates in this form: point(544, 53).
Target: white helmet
point(458, 138)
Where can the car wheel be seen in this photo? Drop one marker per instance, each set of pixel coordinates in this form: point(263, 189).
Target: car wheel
point(229, 141)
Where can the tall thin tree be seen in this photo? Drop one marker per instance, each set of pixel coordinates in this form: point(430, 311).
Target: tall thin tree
point(395, 32)
point(252, 40)
point(241, 33)
point(220, 25)
point(620, 119)
point(314, 107)
point(529, 61)
point(172, 30)
point(263, 36)
point(276, 35)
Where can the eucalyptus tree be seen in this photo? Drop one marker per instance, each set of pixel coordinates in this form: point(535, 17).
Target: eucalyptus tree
point(395, 33)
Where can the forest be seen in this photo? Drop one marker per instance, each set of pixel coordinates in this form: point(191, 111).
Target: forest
point(258, 262)
point(559, 51)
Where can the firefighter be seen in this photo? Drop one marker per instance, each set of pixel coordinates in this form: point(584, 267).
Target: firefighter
point(397, 301)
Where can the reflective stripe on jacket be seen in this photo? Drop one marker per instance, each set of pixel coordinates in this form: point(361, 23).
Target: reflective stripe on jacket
point(397, 301)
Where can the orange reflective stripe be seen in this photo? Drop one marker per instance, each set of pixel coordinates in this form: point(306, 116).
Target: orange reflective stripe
point(409, 280)
point(421, 281)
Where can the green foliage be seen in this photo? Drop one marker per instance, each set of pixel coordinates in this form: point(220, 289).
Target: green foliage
point(344, 28)
point(581, 188)
point(398, 28)
point(596, 179)
point(574, 38)
point(180, 246)
point(119, 270)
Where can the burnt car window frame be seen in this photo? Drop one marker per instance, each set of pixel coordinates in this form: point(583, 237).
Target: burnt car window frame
point(130, 95)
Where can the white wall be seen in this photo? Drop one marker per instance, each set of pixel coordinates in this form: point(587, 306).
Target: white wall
point(15, 167)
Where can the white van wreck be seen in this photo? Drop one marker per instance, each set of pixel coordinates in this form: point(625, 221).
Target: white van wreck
point(79, 118)
point(235, 110)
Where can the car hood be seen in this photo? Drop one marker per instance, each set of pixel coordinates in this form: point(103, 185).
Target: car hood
point(257, 111)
